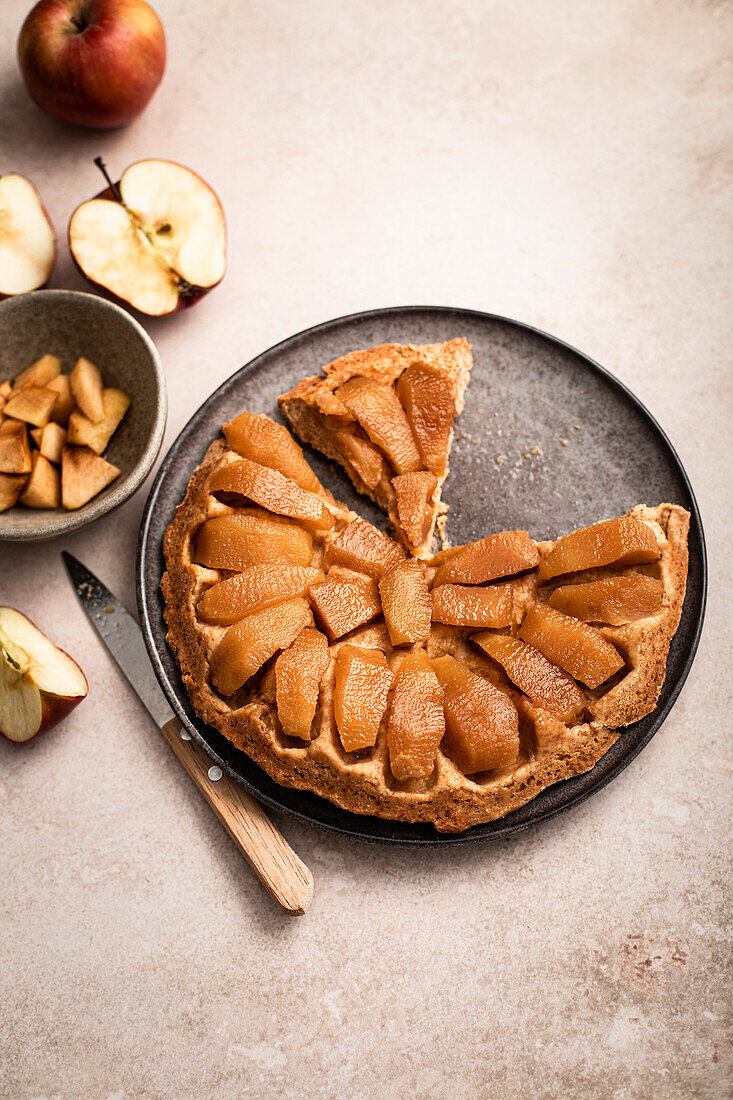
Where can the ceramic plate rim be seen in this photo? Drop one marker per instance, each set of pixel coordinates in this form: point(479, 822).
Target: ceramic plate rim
point(504, 827)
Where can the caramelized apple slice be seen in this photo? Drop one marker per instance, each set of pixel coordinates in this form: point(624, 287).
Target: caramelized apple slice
point(11, 486)
point(253, 640)
point(414, 494)
point(15, 449)
point(614, 600)
point(362, 455)
point(365, 549)
point(427, 398)
point(257, 587)
point(344, 600)
point(249, 537)
point(468, 605)
point(377, 408)
point(262, 440)
point(298, 674)
point(482, 724)
point(572, 645)
point(624, 541)
point(272, 490)
point(362, 682)
point(545, 684)
point(406, 603)
point(498, 555)
point(33, 404)
point(416, 724)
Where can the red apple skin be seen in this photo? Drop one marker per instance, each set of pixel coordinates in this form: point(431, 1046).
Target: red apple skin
point(54, 708)
point(94, 63)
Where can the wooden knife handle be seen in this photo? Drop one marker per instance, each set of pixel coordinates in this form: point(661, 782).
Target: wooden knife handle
point(282, 874)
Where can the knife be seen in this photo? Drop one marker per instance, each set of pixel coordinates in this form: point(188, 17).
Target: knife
point(272, 859)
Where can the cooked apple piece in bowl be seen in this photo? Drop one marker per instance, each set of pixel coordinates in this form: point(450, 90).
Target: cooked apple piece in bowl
point(88, 433)
point(272, 490)
point(253, 640)
point(472, 606)
point(362, 679)
point(51, 441)
point(612, 600)
point(71, 420)
point(33, 404)
point(406, 603)
point(65, 403)
point(571, 644)
point(414, 494)
point(15, 450)
point(298, 674)
point(40, 373)
point(481, 722)
point(86, 385)
point(11, 487)
point(416, 724)
point(250, 537)
point(83, 475)
point(43, 488)
point(258, 586)
point(544, 683)
point(624, 541)
point(488, 559)
point(365, 549)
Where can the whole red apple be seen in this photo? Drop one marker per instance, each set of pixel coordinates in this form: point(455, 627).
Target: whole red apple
point(95, 63)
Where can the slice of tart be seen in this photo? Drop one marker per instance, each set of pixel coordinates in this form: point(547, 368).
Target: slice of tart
point(386, 415)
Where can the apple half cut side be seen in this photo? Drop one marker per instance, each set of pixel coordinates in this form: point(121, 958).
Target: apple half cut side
point(156, 240)
point(27, 238)
point(39, 683)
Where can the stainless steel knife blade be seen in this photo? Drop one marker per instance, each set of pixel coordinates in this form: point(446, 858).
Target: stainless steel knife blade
point(121, 635)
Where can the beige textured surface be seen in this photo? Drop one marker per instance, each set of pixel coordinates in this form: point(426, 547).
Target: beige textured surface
point(567, 163)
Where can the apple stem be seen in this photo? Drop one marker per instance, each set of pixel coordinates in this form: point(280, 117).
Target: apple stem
point(112, 186)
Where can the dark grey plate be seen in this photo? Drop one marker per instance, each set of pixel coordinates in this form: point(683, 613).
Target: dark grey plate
point(528, 392)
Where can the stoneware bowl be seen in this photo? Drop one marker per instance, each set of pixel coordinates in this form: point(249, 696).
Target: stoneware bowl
point(69, 324)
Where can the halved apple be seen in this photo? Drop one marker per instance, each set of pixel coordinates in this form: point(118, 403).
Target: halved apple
point(27, 239)
point(39, 683)
point(156, 240)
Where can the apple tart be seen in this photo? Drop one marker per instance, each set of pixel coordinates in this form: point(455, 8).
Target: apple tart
point(447, 688)
point(386, 415)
